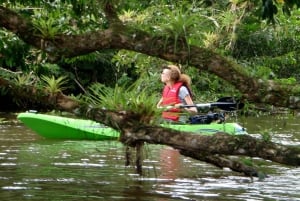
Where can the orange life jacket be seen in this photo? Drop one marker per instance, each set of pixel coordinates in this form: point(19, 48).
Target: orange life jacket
point(170, 97)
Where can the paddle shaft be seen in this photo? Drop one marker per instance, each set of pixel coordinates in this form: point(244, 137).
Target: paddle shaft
point(221, 105)
point(215, 104)
point(225, 103)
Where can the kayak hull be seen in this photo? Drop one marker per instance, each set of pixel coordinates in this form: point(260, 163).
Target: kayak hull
point(57, 127)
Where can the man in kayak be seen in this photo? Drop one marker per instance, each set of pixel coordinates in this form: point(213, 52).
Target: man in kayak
point(176, 93)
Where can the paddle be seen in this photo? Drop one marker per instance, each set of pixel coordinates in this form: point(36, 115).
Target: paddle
point(225, 103)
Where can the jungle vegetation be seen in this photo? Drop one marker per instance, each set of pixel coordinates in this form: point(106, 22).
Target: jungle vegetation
point(263, 40)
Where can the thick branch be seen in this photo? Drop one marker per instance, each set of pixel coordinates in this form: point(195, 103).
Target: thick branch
point(32, 97)
point(217, 144)
point(220, 143)
point(21, 27)
point(221, 162)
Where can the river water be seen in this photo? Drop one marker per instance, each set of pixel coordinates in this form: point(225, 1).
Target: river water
point(34, 168)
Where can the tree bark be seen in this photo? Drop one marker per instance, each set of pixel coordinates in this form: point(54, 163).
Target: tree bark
point(34, 98)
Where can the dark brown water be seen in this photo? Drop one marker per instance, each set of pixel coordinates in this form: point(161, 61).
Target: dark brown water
point(33, 168)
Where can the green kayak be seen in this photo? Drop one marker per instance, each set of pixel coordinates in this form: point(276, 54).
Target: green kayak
point(57, 127)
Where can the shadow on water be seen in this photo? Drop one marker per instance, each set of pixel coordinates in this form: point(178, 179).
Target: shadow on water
point(33, 168)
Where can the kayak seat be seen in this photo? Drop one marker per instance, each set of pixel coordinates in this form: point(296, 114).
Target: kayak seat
point(207, 118)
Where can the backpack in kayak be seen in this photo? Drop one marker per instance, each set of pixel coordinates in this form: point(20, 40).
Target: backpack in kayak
point(207, 118)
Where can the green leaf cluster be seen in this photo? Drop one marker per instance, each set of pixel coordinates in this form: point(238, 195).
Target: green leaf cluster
point(54, 85)
point(134, 98)
point(13, 51)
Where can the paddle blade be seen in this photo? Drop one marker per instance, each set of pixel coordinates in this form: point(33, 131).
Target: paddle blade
point(229, 104)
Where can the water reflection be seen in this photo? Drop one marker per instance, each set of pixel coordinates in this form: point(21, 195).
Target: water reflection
point(170, 163)
point(33, 168)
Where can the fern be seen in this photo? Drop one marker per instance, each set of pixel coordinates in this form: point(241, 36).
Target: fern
point(179, 26)
point(132, 98)
point(53, 85)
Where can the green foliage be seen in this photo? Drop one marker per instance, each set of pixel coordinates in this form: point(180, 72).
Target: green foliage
point(131, 66)
point(247, 161)
point(283, 67)
point(266, 135)
point(104, 57)
point(178, 27)
point(77, 8)
point(12, 51)
point(270, 52)
point(287, 81)
point(266, 42)
point(47, 69)
point(270, 8)
point(48, 26)
point(136, 64)
point(54, 85)
point(47, 23)
point(24, 80)
point(135, 5)
point(94, 67)
point(134, 98)
point(207, 87)
point(176, 21)
point(3, 91)
point(289, 5)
